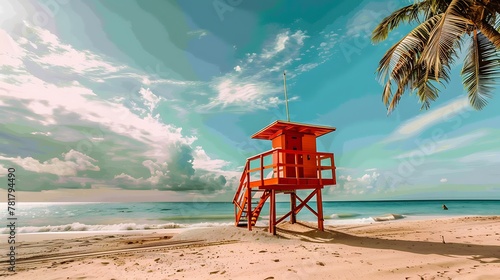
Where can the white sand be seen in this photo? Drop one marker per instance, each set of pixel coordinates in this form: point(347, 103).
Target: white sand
point(386, 250)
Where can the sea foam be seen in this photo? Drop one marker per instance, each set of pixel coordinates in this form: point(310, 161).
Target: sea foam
point(343, 215)
point(388, 217)
point(76, 227)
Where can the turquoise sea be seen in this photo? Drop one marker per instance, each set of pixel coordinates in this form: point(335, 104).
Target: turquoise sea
point(61, 217)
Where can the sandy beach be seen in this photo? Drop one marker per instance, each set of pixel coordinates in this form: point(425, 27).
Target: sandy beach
point(451, 248)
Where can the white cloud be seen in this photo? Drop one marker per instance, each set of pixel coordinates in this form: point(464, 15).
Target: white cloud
point(258, 78)
point(92, 66)
point(279, 45)
point(41, 133)
point(10, 52)
point(366, 178)
point(72, 162)
point(257, 83)
point(44, 99)
point(130, 179)
point(418, 124)
point(485, 157)
point(251, 57)
point(9, 11)
point(151, 100)
point(152, 77)
point(443, 180)
point(429, 146)
point(281, 40)
point(299, 36)
point(158, 171)
point(203, 161)
point(324, 48)
point(369, 177)
point(307, 67)
point(63, 55)
point(279, 66)
point(347, 184)
point(50, 104)
point(244, 96)
point(181, 175)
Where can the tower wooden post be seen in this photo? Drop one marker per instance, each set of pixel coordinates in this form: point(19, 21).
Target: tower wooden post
point(293, 205)
point(249, 204)
point(272, 213)
point(319, 205)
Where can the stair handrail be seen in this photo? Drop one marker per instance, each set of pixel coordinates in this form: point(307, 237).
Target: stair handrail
point(242, 183)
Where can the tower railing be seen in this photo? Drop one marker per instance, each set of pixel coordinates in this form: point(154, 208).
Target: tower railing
point(289, 164)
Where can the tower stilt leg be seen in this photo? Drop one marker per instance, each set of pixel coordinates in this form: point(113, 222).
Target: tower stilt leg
point(319, 203)
point(293, 205)
point(249, 208)
point(272, 213)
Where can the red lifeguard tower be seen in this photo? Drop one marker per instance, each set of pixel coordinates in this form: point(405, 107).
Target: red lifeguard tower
point(292, 164)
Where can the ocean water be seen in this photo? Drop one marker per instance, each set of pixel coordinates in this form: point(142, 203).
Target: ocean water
point(61, 217)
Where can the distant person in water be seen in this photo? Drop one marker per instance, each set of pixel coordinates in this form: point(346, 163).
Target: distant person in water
point(444, 207)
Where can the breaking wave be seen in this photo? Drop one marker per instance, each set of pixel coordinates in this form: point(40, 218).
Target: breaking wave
point(344, 215)
point(388, 217)
point(77, 227)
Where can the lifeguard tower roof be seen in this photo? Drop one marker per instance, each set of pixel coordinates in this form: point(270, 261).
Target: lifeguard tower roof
point(279, 127)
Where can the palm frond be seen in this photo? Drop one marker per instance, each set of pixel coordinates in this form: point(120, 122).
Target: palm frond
point(494, 6)
point(422, 60)
point(403, 85)
point(485, 12)
point(427, 92)
point(425, 89)
point(404, 53)
point(490, 32)
point(436, 7)
point(481, 70)
point(395, 100)
point(405, 14)
point(400, 61)
point(497, 22)
point(421, 83)
point(446, 37)
point(387, 94)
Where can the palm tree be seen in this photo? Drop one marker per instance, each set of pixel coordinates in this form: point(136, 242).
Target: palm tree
point(422, 59)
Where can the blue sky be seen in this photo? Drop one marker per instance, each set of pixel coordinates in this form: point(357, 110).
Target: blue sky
point(157, 100)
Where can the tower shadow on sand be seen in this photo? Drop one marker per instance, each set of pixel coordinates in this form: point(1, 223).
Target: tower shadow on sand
point(308, 233)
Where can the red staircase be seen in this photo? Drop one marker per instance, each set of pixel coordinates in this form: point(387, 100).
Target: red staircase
point(248, 202)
